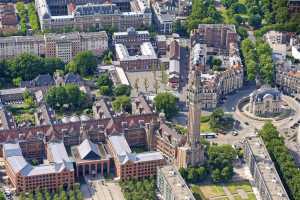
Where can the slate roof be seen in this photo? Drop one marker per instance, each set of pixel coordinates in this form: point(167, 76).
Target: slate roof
point(73, 78)
point(86, 147)
point(94, 9)
point(124, 153)
point(15, 158)
point(265, 91)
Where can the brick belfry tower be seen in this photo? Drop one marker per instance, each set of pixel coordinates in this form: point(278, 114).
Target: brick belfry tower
point(192, 154)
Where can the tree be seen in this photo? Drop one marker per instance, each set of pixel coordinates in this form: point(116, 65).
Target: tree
point(122, 103)
point(84, 63)
point(183, 172)
point(192, 175)
point(104, 80)
point(215, 118)
point(239, 8)
point(228, 3)
point(26, 66)
point(33, 18)
point(282, 15)
point(255, 21)
point(2, 197)
point(52, 64)
point(216, 176)
point(166, 102)
point(146, 84)
point(59, 96)
point(39, 195)
point(28, 99)
point(227, 173)
point(156, 86)
point(251, 70)
point(4, 73)
point(201, 173)
point(136, 84)
point(122, 89)
point(105, 90)
point(242, 32)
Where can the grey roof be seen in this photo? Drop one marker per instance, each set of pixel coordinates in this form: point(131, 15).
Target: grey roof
point(58, 152)
point(124, 153)
point(12, 91)
point(120, 144)
point(86, 147)
point(94, 9)
point(6, 119)
point(43, 80)
point(72, 78)
point(12, 149)
point(265, 91)
point(16, 160)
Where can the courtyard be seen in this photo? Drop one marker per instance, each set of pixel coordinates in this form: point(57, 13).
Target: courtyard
point(228, 191)
point(101, 189)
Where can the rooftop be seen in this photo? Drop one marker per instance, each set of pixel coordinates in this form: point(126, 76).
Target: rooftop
point(59, 160)
point(267, 169)
point(178, 186)
point(125, 154)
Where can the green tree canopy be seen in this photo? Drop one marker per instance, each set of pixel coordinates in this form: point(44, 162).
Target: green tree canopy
point(122, 89)
point(68, 97)
point(122, 103)
point(104, 80)
point(84, 63)
point(166, 102)
point(26, 66)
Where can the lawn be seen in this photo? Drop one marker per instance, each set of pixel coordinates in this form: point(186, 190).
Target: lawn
point(216, 191)
point(208, 191)
point(233, 187)
point(205, 127)
point(22, 113)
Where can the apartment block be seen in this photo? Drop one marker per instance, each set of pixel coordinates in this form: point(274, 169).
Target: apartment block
point(171, 185)
point(93, 14)
point(64, 46)
point(263, 170)
point(216, 41)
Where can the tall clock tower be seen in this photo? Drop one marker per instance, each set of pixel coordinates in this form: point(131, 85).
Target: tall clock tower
point(192, 154)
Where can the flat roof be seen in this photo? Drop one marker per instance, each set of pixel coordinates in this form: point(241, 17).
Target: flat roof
point(267, 169)
point(178, 186)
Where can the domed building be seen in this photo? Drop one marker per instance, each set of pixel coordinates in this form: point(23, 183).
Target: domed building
point(265, 102)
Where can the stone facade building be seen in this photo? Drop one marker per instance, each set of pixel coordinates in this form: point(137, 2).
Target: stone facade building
point(288, 80)
point(263, 170)
point(219, 41)
point(63, 46)
point(171, 185)
point(265, 101)
point(93, 14)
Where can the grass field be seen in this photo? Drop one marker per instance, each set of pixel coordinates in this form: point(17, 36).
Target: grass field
point(216, 192)
point(205, 127)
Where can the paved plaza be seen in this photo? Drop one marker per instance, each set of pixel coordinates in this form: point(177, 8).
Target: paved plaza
point(101, 189)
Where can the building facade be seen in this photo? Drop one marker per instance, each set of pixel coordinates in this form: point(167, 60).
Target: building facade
point(216, 41)
point(265, 101)
point(171, 185)
point(26, 177)
point(64, 46)
point(93, 14)
point(263, 170)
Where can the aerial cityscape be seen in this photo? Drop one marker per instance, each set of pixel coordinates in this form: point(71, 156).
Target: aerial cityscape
point(150, 100)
